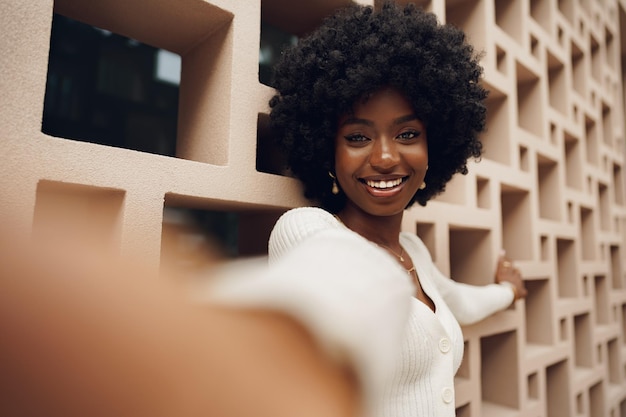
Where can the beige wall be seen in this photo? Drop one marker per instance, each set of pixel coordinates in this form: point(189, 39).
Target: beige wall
point(549, 189)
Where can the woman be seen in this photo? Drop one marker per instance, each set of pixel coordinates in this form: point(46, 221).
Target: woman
point(378, 110)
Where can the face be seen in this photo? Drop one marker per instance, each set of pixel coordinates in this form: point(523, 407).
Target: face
point(381, 154)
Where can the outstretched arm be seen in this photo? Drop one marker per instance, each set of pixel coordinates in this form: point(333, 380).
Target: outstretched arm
point(472, 303)
point(84, 334)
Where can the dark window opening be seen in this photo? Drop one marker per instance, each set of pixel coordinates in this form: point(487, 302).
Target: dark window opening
point(111, 90)
point(273, 42)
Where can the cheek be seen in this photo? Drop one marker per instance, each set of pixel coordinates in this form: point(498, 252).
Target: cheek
point(418, 156)
point(342, 170)
point(346, 159)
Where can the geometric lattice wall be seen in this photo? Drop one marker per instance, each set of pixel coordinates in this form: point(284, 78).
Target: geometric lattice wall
point(549, 189)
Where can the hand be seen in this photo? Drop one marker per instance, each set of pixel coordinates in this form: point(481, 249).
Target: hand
point(507, 272)
point(80, 325)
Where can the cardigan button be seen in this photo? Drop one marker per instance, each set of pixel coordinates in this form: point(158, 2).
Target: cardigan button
point(447, 395)
point(444, 345)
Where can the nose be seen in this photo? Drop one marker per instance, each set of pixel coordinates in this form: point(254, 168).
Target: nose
point(384, 154)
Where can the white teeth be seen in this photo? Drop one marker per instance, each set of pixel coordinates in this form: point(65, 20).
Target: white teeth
point(384, 184)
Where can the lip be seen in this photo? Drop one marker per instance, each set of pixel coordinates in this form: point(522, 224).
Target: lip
point(384, 186)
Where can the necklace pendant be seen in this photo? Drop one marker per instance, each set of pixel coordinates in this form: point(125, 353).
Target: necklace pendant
point(401, 259)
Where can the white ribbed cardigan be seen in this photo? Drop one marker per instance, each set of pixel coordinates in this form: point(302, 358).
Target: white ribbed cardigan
point(357, 302)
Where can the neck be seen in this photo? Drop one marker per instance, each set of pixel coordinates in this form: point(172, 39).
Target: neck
point(382, 230)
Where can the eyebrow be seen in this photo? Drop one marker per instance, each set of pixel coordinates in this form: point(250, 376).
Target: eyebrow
point(366, 122)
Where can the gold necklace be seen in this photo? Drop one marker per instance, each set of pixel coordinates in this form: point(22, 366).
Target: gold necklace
point(400, 257)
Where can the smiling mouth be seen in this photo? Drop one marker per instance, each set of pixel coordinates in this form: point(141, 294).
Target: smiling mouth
point(385, 184)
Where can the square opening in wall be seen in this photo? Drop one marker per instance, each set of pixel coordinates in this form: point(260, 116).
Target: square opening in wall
point(607, 125)
point(464, 369)
point(573, 161)
point(557, 89)
point(273, 42)
point(77, 212)
point(109, 89)
point(570, 212)
point(566, 7)
point(426, 232)
point(616, 266)
point(516, 222)
point(269, 157)
point(533, 386)
point(483, 193)
point(534, 47)
point(567, 274)
point(555, 134)
point(194, 229)
point(148, 79)
point(613, 368)
point(579, 79)
point(610, 48)
point(597, 403)
point(499, 370)
point(596, 60)
point(583, 350)
point(591, 141)
point(541, 11)
point(524, 159)
point(618, 185)
point(580, 403)
point(558, 389)
point(560, 35)
point(469, 16)
point(549, 188)
point(539, 323)
point(298, 18)
point(507, 18)
point(604, 207)
point(563, 330)
point(587, 234)
point(463, 411)
point(529, 101)
point(190, 235)
point(496, 147)
point(544, 248)
point(470, 255)
point(501, 60)
point(623, 321)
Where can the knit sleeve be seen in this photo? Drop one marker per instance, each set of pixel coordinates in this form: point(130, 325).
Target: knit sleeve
point(296, 225)
point(350, 295)
point(469, 303)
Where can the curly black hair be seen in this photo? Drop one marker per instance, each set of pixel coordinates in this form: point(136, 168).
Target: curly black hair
point(358, 51)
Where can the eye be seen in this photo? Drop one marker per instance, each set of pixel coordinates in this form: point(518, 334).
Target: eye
point(356, 138)
point(409, 134)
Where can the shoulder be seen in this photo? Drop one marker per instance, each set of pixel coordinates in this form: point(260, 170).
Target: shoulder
point(298, 224)
point(304, 221)
point(307, 217)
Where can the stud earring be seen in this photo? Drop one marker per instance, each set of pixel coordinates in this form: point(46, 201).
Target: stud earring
point(423, 185)
point(335, 189)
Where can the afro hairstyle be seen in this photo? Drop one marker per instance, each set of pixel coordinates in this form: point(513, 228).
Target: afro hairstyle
point(358, 51)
